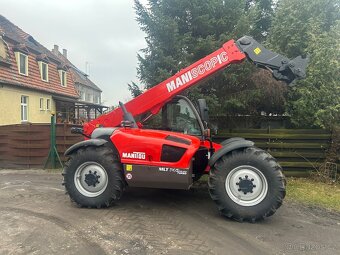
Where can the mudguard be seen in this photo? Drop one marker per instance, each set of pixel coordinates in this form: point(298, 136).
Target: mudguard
point(91, 142)
point(225, 142)
point(228, 146)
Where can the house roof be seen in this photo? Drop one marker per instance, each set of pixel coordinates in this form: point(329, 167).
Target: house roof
point(19, 40)
point(82, 78)
point(16, 34)
point(78, 76)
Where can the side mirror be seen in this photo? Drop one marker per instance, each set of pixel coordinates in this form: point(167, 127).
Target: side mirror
point(203, 110)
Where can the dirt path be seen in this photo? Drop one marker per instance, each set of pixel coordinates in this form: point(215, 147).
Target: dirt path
point(37, 218)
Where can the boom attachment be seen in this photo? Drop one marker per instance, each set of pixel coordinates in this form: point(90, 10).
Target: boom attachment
point(282, 68)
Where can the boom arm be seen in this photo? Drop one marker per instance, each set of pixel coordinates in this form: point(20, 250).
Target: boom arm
point(231, 52)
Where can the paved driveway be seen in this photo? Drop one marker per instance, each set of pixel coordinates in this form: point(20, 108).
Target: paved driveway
point(37, 218)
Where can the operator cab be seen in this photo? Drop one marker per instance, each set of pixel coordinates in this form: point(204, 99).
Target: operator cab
point(178, 115)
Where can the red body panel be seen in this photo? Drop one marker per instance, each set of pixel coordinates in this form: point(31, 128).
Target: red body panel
point(146, 147)
point(150, 142)
point(154, 98)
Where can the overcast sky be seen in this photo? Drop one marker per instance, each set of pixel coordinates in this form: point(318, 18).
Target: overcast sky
point(103, 33)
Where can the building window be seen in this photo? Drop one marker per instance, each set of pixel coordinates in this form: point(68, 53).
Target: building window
point(97, 99)
point(3, 49)
point(41, 104)
point(4, 56)
point(24, 108)
point(22, 61)
point(48, 104)
point(63, 78)
point(89, 97)
point(82, 95)
point(43, 70)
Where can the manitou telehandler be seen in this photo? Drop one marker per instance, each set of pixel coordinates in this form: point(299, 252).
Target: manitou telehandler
point(160, 140)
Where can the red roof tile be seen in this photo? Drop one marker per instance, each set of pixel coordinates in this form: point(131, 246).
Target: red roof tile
point(9, 74)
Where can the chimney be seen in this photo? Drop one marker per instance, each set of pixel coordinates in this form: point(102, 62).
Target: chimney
point(55, 50)
point(65, 53)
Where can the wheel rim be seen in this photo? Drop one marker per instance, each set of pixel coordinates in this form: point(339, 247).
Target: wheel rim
point(90, 179)
point(246, 185)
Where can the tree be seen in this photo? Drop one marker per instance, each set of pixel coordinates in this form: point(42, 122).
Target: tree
point(134, 89)
point(179, 32)
point(311, 27)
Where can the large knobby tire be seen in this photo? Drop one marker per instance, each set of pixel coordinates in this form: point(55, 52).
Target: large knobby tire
point(93, 177)
point(247, 185)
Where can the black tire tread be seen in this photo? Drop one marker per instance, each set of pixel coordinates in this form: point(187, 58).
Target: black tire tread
point(262, 155)
point(107, 155)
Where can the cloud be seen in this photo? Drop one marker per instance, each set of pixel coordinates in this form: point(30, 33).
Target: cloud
point(103, 33)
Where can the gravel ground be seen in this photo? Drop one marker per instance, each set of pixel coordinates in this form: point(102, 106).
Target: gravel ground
point(36, 217)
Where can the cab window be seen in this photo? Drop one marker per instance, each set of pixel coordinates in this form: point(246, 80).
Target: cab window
point(176, 116)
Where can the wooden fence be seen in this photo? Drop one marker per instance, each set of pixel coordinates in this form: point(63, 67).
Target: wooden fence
point(297, 150)
point(27, 146)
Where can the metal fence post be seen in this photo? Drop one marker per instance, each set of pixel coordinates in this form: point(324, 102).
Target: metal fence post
point(53, 153)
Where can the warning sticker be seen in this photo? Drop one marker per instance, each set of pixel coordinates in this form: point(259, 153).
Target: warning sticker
point(257, 51)
point(128, 168)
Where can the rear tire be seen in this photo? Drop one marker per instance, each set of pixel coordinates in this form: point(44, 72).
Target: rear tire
point(93, 177)
point(247, 184)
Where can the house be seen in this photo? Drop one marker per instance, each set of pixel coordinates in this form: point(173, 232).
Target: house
point(33, 82)
point(89, 104)
point(36, 82)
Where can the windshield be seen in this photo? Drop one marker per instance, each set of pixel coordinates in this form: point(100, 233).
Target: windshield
point(176, 116)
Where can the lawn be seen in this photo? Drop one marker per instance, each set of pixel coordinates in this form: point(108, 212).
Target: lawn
point(310, 192)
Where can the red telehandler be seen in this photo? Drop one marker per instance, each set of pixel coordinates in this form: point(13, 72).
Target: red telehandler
point(160, 140)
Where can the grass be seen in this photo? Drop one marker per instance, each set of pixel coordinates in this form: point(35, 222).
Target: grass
point(53, 171)
point(314, 193)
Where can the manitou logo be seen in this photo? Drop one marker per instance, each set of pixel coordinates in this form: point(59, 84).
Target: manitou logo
point(197, 71)
point(134, 155)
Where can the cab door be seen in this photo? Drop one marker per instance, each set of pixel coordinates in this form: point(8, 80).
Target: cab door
point(178, 115)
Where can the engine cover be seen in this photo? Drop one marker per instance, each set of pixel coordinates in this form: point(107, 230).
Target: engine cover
point(156, 159)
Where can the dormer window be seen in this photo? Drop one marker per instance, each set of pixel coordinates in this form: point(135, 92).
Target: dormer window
point(43, 67)
point(4, 55)
point(62, 69)
point(63, 78)
point(21, 55)
point(22, 61)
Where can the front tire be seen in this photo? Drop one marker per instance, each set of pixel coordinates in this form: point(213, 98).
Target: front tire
point(93, 177)
point(247, 184)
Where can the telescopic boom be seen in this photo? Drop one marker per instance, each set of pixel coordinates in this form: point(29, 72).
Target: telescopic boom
point(231, 52)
